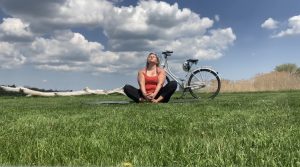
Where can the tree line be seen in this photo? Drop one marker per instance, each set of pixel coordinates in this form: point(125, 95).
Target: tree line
point(288, 67)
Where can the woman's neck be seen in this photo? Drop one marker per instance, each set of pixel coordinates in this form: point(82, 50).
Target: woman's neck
point(151, 67)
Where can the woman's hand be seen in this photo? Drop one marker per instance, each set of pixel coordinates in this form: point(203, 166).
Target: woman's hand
point(147, 96)
point(152, 95)
point(158, 100)
point(154, 101)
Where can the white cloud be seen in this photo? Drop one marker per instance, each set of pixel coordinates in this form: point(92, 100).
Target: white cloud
point(294, 27)
point(204, 47)
point(45, 15)
point(14, 29)
point(270, 24)
point(131, 32)
point(88, 12)
point(150, 21)
point(217, 18)
point(10, 56)
point(59, 67)
point(157, 26)
point(68, 51)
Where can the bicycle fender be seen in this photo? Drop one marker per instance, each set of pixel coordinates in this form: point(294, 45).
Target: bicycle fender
point(205, 68)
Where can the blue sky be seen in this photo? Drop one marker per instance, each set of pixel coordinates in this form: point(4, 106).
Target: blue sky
point(101, 44)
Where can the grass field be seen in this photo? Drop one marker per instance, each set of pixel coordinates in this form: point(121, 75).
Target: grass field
point(235, 129)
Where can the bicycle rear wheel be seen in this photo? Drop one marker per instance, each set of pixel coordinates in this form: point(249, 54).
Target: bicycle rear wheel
point(204, 83)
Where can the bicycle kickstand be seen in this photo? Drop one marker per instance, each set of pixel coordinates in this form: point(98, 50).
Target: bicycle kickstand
point(183, 93)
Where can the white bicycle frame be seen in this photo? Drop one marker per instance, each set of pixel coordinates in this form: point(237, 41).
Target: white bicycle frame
point(182, 82)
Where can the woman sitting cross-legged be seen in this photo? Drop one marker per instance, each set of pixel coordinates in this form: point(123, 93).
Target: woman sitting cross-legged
point(151, 80)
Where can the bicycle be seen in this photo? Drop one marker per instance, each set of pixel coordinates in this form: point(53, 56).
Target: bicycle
point(202, 82)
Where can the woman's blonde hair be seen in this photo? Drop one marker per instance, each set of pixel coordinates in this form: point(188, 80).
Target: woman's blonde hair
point(157, 58)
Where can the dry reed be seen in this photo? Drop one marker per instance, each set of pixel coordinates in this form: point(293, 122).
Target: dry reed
point(273, 81)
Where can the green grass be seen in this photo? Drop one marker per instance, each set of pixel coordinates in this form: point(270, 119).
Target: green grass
point(235, 129)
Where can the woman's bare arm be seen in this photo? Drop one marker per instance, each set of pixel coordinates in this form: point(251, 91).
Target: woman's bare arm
point(161, 81)
point(141, 81)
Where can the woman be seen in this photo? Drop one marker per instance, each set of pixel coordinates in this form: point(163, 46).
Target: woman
point(151, 80)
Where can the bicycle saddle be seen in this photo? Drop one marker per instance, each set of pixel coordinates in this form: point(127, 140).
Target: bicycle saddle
point(192, 60)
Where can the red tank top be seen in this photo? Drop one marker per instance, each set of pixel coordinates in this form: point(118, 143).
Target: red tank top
point(150, 83)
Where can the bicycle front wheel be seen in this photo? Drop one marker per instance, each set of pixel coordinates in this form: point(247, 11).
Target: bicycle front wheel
point(204, 83)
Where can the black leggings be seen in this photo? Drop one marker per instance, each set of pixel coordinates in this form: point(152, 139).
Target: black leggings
point(166, 92)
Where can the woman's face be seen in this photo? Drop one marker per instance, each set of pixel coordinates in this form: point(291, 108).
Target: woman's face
point(152, 59)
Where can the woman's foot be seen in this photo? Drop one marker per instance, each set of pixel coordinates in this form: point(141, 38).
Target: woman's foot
point(158, 100)
point(142, 100)
point(154, 101)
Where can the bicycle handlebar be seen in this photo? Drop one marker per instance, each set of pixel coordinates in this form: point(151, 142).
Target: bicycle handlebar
point(167, 52)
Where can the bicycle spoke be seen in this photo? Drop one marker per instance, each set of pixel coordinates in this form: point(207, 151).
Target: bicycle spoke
point(204, 84)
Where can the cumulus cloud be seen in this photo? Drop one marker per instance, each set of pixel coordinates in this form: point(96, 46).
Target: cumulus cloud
point(150, 22)
point(30, 8)
point(158, 26)
point(270, 24)
point(217, 18)
point(47, 15)
point(293, 27)
point(14, 29)
point(68, 51)
point(10, 56)
point(131, 32)
point(204, 47)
